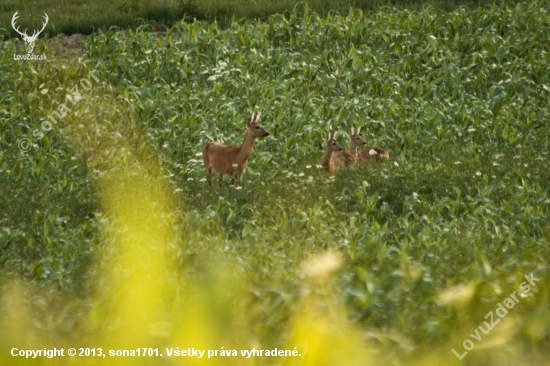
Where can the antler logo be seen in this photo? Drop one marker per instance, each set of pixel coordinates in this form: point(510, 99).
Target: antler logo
point(29, 40)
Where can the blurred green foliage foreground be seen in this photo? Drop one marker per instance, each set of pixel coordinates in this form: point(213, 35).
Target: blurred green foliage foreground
point(111, 238)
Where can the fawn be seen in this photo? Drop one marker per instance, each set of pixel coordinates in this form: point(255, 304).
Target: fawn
point(232, 160)
point(370, 153)
point(330, 162)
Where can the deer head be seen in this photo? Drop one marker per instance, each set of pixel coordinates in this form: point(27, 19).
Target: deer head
point(332, 145)
point(254, 127)
point(29, 40)
point(355, 139)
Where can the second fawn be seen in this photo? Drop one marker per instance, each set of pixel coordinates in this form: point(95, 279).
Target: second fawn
point(232, 160)
point(330, 162)
point(368, 154)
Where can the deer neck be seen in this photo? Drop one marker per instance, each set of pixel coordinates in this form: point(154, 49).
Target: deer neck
point(352, 147)
point(325, 159)
point(245, 150)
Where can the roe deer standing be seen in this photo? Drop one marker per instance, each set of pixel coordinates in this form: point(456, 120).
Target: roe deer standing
point(370, 153)
point(329, 162)
point(232, 160)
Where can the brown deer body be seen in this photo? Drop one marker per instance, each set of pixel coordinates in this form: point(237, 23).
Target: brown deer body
point(349, 159)
point(232, 160)
point(330, 162)
point(368, 154)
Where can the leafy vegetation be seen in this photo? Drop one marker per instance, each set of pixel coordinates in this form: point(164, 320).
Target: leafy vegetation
point(397, 262)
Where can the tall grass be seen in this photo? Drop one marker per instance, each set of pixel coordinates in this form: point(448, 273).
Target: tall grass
point(86, 16)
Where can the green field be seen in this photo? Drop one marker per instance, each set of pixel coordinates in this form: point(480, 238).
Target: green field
point(110, 236)
point(86, 16)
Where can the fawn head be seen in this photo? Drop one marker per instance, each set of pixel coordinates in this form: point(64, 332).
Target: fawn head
point(254, 128)
point(332, 144)
point(355, 138)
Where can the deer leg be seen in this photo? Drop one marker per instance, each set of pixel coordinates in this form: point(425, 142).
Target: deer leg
point(221, 180)
point(235, 177)
point(209, 175)
point(238, 174)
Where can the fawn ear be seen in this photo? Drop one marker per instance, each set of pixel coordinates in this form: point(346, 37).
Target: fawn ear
point(251, 120)
point(328, 137)
point(358, 130)
point(257, 117)
point(352, 131)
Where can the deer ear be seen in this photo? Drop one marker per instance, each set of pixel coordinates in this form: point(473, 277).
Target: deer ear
point(250, 120)
point(257, 117)
point(352, 131)
point(358, 130)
